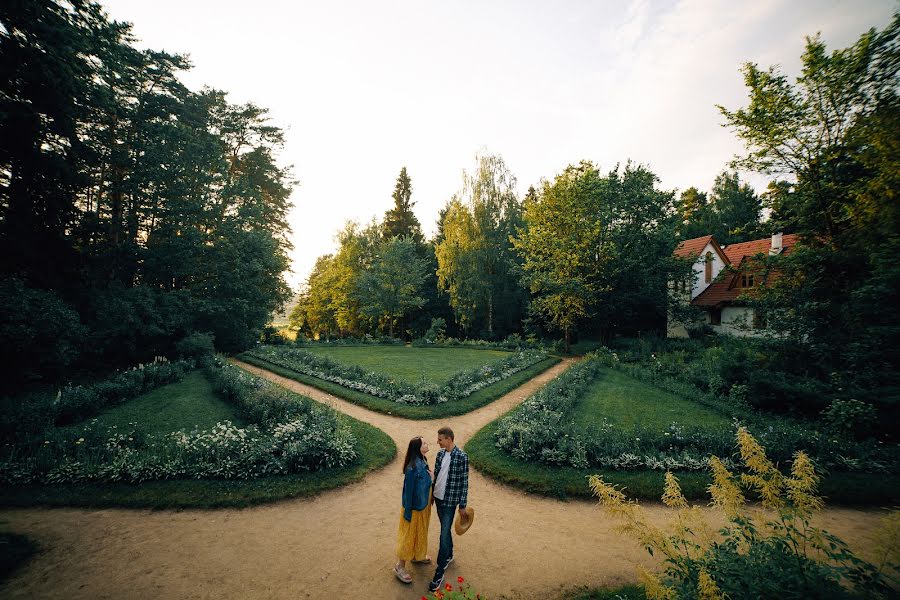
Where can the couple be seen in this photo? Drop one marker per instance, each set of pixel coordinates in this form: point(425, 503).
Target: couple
point(447, 489)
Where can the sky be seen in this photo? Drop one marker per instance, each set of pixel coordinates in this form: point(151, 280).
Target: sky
point(364, 88)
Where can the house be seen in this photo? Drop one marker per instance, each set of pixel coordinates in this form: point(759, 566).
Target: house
point(722, 275)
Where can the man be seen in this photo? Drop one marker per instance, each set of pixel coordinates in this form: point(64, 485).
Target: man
point(449, 490)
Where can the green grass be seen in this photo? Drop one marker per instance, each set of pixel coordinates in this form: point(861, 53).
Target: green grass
point(388, 407)
point(15, 551)
point(376, 449)
point(409, 364)
point(847, 489)
point(626, 401)
point(185, 405)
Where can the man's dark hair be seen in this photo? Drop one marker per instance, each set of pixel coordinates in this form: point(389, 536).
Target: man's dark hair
point(446, 432)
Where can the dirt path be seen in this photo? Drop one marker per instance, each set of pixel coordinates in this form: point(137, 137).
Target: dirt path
point(341, 543)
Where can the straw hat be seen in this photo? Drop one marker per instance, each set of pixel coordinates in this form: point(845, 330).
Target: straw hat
point(462, 525)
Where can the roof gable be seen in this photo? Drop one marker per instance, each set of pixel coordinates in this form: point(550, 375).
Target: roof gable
point(692, 248)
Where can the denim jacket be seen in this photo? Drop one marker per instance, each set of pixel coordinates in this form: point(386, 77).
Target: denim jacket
point(416, 488)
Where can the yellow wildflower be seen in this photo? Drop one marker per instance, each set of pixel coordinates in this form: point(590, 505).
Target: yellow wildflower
point(707, 588)
point(672, 496)
point(724, 491)
point(764, 476)
point(653, 587)
point(802, 485)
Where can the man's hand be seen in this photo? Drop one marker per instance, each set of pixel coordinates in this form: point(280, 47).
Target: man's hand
point(464, 512)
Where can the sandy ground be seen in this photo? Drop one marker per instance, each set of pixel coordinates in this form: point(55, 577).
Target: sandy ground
point(341, 542)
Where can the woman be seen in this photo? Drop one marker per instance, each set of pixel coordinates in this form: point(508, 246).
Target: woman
point(412, 534)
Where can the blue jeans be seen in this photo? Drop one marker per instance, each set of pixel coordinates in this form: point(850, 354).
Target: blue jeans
point(445, 512)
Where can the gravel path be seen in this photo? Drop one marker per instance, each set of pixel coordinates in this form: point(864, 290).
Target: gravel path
point(341, 542)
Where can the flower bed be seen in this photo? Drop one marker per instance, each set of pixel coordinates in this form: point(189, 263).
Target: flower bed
point(543, 429)
point(459, 386)
point(288, 434)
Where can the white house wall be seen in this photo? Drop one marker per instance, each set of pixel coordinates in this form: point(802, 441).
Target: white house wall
point(700, 270)
point(737, 321)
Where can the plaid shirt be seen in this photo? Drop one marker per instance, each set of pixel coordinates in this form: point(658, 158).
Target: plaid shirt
point(457, 491)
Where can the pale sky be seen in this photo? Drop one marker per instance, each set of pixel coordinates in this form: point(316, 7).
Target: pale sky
point(364, 88)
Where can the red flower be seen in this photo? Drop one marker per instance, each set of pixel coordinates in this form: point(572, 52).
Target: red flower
point(460, 579)
point(448, 587)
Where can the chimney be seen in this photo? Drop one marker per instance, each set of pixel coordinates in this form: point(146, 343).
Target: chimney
point(776, 243)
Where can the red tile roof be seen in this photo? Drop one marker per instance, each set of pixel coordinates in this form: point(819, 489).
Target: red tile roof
point(725, 288)
point(692, 248)
point(736, 252)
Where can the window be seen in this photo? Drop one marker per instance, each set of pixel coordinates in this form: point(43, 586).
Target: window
point(715, 316)
point(709, 265)
point(747, 280)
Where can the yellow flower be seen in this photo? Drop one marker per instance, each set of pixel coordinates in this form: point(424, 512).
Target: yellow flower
point(802, 485)
point(672, 496)
point(724, 491)
point(653, 587)
point(764, 477)
point(707, 588)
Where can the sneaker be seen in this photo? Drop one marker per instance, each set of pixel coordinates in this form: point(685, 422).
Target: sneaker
point(449, 560)
point(435, 584)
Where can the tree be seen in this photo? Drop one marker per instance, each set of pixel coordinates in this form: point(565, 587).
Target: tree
point(476, 263)
point(737, 210)
point(834, 135)
point(401, 220)
point(695, 214)
point(393, 285)
point(562, 247)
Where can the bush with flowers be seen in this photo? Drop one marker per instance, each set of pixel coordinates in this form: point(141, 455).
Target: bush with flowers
point(287, 434)
point(783, 556)
point(544, 429)
point(462, 591)
point(461, 385)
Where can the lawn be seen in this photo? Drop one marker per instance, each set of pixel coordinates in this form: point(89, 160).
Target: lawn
point(409, 364)
point(410, 411)
point(185, 405)
point(625, 401)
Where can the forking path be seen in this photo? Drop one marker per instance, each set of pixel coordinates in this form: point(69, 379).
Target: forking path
point(341, 542)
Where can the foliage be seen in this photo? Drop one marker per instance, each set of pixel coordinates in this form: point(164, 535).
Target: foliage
point(393, 286)
point(460, 385)
point(196, 346)
point(732, 212)
point(850, 419)
point(288, 434)
point(546, 428)
point(400, 220)
point(831, 135)
point(132, 210)
point(562, 246)
point(476, 265)
point(785, 556)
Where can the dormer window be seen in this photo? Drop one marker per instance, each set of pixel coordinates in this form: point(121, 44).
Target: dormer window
point(709, 266)
point(747, 280)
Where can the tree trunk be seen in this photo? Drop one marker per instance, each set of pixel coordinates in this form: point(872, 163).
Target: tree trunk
point(568, 336)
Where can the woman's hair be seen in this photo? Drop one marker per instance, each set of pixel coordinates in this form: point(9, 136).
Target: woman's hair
point(412, 451)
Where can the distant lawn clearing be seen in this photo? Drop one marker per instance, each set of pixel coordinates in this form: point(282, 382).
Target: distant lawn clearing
point(185, 405)
point(625, 401)
point(408, 364)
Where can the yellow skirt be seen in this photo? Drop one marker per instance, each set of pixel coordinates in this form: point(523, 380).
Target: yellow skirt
point(412, 535)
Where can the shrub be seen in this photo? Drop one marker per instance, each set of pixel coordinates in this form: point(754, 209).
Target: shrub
point(196, 346)
point(850, 419)
point(460, 385)
point(783, 557)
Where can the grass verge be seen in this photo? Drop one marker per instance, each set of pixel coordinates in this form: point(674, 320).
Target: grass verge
point(15, 551)
point(847, 489)
point(408, 411)
point(376, 449)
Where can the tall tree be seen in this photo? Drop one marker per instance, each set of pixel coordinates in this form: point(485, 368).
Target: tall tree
point(400, 220)
point(562, 247)
point(737, 209)
point(476, 263)
point(695, 214)
point(393, 285)
point(834, 134)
